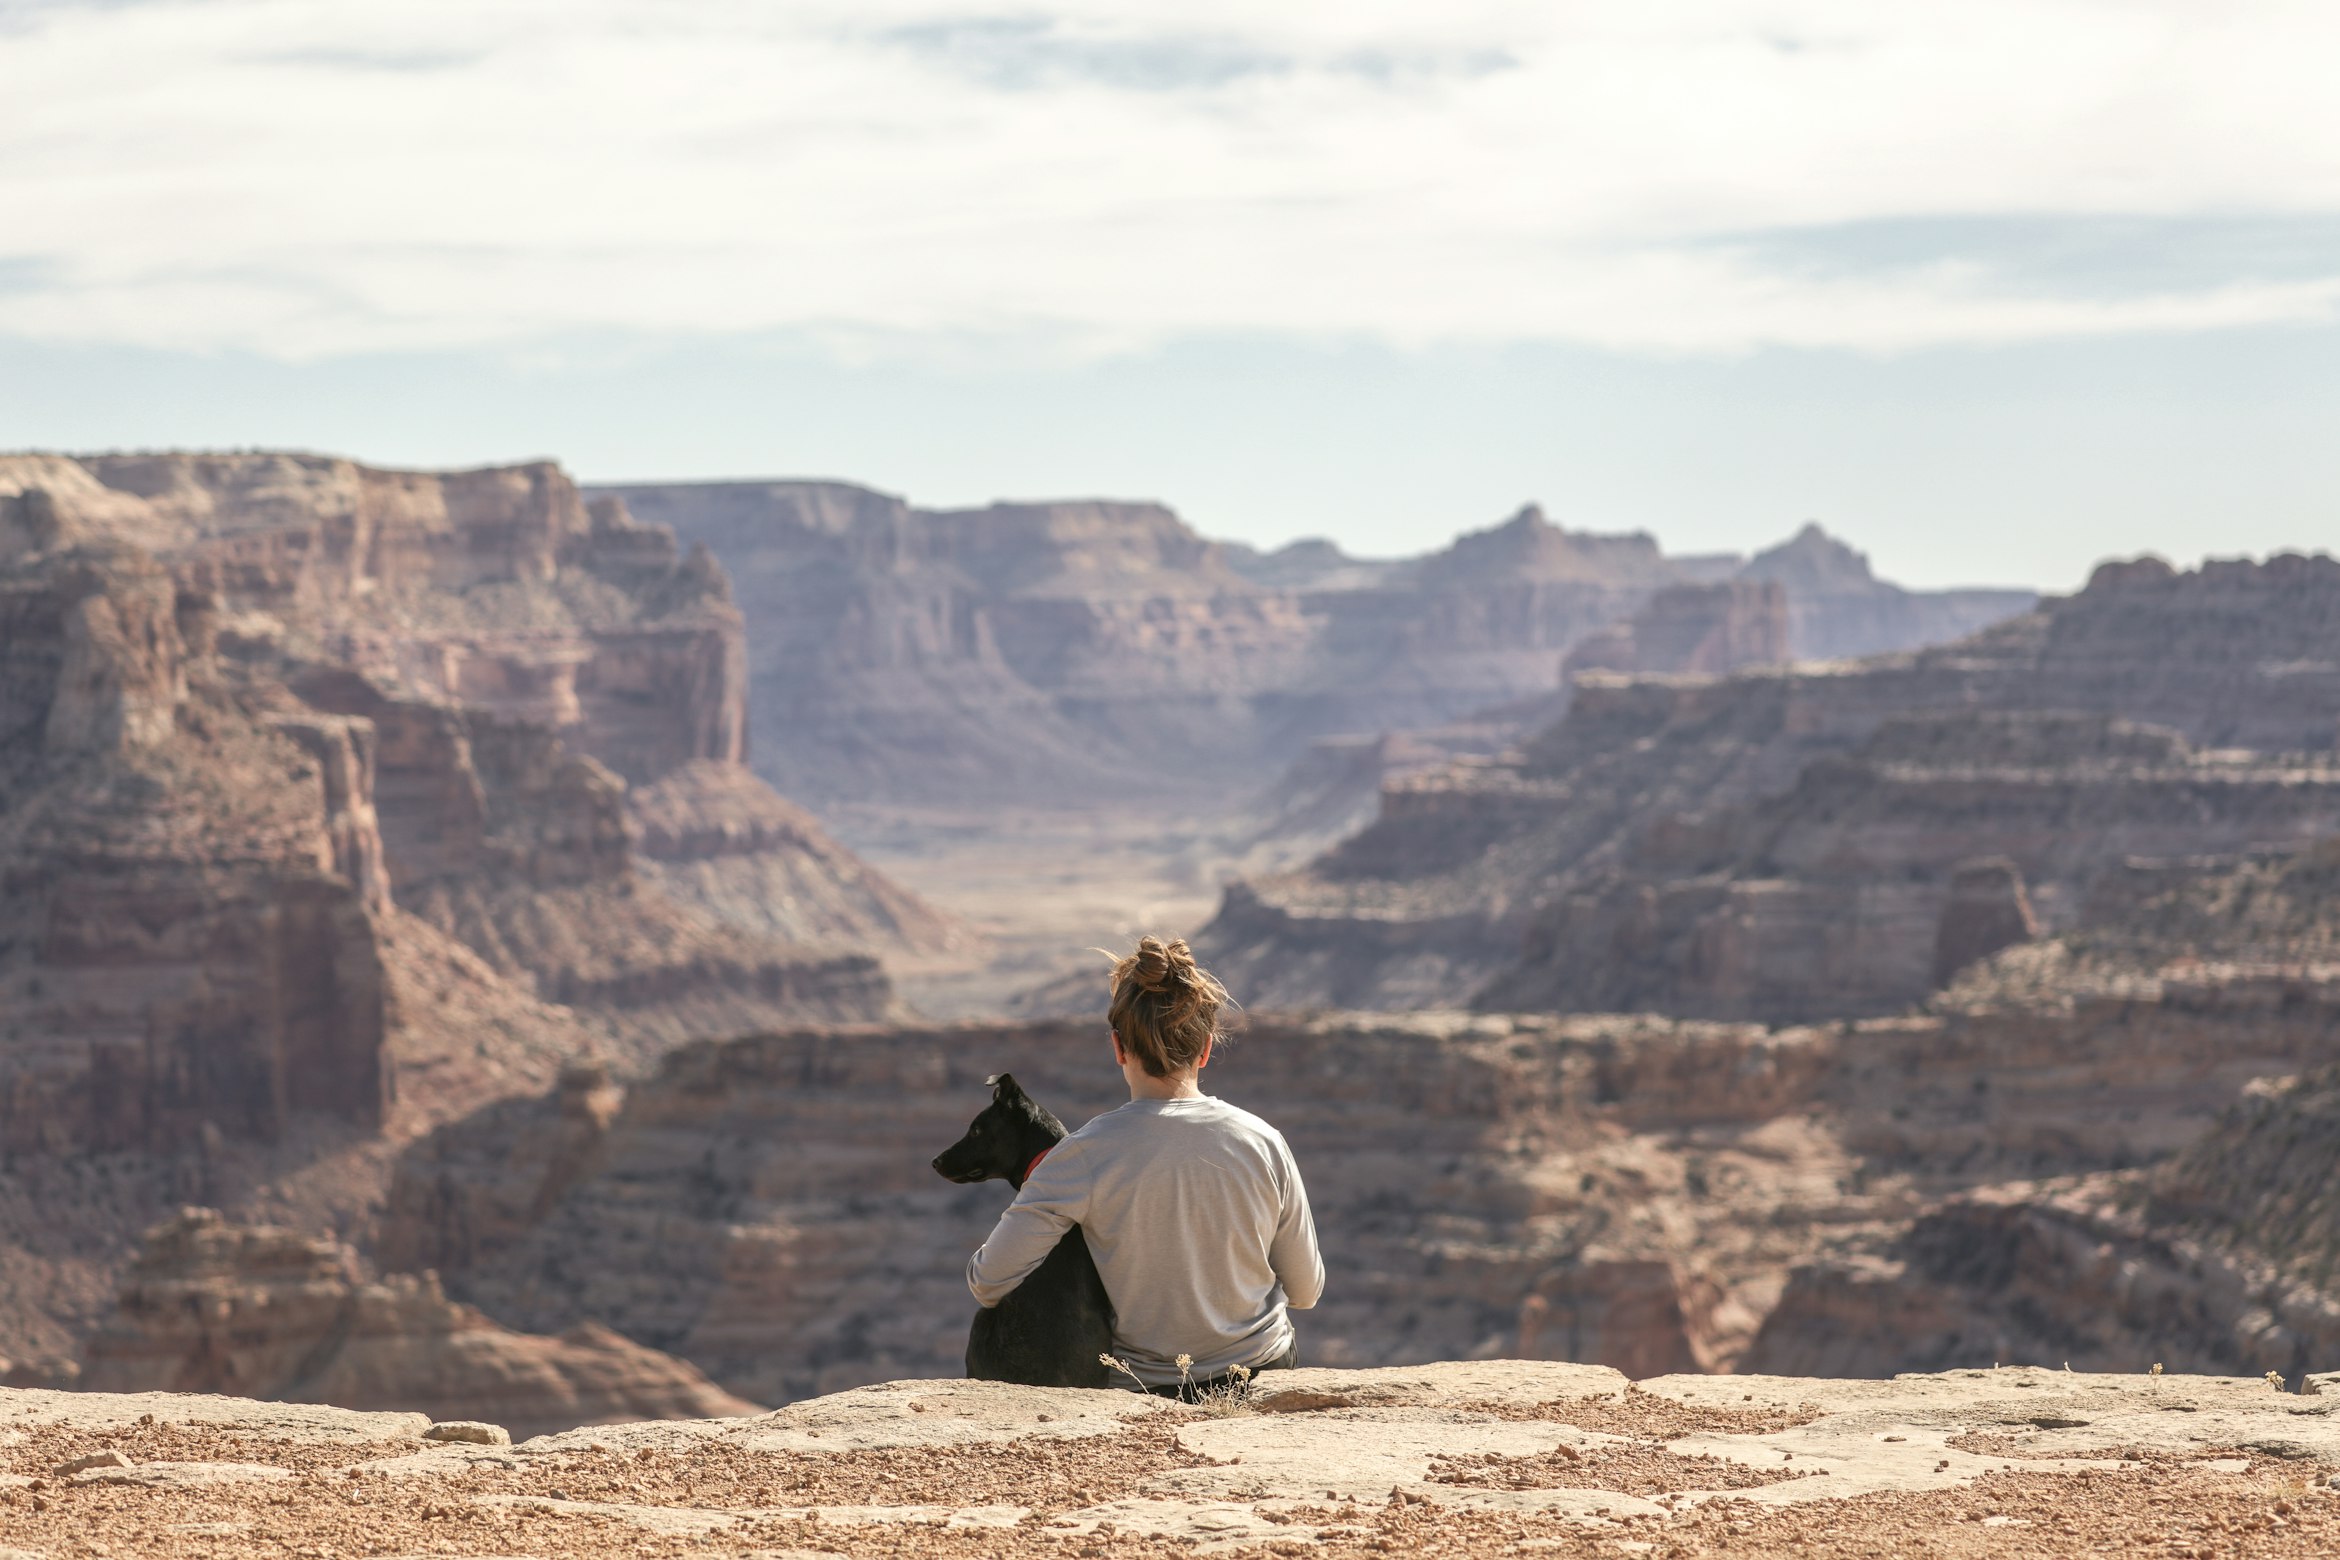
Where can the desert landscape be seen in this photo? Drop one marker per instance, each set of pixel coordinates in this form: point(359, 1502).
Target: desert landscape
point(647, 651)
point(423, 995)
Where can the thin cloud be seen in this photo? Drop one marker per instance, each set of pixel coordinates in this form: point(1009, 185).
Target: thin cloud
point(1110, 177)
point(401, 61)
point(1027, 53)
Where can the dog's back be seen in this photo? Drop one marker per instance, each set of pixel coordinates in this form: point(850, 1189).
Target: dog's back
point(1052, 1329)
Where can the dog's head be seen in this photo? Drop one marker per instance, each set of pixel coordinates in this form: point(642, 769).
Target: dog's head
point(1002, 1140)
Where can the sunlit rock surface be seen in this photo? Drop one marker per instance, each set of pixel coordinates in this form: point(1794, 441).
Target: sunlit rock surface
point(1441, 1459)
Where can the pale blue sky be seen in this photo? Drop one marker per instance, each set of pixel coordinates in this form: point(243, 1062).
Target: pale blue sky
point(1994, 288)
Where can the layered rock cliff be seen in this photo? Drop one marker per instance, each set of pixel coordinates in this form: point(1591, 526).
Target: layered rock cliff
point(206, 984)
point(2219, 1252)
point(1786, 844)
point(1635, 1192)
point(336, 801)
point(200, 926)
point(1103, 652)
point(515, 665)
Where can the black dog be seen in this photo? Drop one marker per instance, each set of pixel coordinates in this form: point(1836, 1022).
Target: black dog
point(1052, 1327)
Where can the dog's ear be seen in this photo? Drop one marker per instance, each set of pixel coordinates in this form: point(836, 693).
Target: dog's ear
point(1004, 1087)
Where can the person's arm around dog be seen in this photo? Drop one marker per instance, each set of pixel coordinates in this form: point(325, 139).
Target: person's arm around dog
point(1055, 1197)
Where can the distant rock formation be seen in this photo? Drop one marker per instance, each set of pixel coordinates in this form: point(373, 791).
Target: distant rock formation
point(1784, 844)
point(1839, 610)
point(1096, 653)
point(1704, 630)
point(254, 1311)
point(715, 836)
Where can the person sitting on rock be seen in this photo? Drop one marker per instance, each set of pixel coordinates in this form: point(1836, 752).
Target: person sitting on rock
point(1193, 1209)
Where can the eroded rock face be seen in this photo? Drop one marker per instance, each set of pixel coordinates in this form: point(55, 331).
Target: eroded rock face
point(1988, 910)
point(1636, 1193)
point(2068, 1272)
point(481, 667)
point(192, 885)
point(317, 826)
point(1784, 844)
point(2219, 1255)
point(253, 1311)
point(1088, 652)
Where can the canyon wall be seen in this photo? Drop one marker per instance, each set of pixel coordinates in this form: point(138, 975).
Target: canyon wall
point(2225, 1255)
point(193, 885)
point(202, 968)
point(516, 665)
point(336, 801)
point(1635, 1192)
point(1785, 844)
point(1093, 651)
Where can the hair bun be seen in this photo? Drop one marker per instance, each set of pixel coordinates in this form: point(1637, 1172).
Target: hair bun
point(1165, 1006)
point(1162, 966)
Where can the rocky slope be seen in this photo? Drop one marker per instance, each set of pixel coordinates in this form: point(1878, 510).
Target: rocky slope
point(1095, 652)
point(259, 1312)
point(1444, 1460)
point(1787, 844)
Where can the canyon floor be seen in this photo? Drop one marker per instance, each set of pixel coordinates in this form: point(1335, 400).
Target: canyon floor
point(1481, 1458)
point(1037, 891)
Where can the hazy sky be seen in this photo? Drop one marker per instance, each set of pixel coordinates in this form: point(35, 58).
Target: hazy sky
point(1992, 288)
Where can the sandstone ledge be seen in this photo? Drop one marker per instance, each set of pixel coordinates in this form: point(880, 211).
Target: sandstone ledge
point(1474, 1458)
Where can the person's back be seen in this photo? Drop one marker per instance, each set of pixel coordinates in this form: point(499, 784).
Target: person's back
point(1194, 1210)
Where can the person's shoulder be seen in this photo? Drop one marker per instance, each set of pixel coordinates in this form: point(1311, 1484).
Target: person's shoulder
point(1236, 1118)
point(1104, 1124)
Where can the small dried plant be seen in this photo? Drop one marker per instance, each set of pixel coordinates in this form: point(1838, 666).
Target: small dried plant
point(1231, 1396)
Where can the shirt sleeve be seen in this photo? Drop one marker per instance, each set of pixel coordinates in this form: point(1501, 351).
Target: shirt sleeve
point(1053, 1200)
point(1299, 1265)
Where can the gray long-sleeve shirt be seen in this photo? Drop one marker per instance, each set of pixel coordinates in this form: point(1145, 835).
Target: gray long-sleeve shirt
point(1196, 1215)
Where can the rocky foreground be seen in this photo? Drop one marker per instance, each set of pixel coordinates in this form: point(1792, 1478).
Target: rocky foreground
point(1498, 1457)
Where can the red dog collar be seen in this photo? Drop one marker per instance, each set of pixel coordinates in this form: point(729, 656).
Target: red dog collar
point(1035, 1164)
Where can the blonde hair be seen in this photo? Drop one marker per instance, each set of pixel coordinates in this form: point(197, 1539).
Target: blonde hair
point(1165, 1006)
